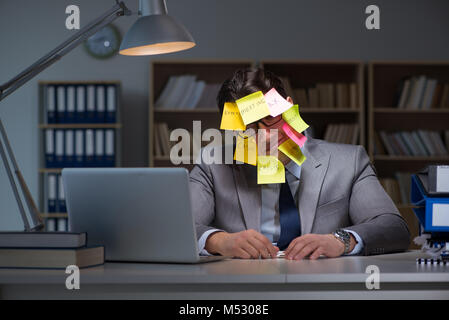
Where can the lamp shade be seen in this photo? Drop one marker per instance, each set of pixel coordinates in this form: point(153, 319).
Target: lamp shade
point(156, 34)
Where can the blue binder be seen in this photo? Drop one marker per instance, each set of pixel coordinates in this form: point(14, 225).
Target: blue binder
point(429, 209)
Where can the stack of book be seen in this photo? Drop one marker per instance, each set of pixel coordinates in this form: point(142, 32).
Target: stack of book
point(339, 95)
point(186, 92)
point(414, 143)
point(398, 188)
point(55, 250)
point(421, 92)
point(342, 133)
point(162, 143)
point(80, 103)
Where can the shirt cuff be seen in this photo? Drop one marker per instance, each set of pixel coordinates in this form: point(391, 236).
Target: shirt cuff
point(202, 242)
point(358, 247)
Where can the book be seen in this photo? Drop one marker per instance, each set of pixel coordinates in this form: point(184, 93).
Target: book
point(342, 95)
point(437, 96)
point(378, 146)
point(405, 92)
point(313, 97)
point(386, 141)
point(416, 93)
point(161, 100)
point(209, 96)
point(301, 97)
point(12, 239)
point(54, 258)
point(353, 102)
point(428, 93)
point(444, 101)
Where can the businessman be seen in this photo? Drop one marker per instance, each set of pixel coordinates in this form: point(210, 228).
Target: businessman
point(331, 205)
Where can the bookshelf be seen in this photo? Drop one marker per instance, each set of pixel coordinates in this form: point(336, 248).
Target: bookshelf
point(105, 123)
point(211, 72)
point(386, 82)
point(307, 75)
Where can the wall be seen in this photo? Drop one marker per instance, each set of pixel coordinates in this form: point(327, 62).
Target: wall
point(248, 29)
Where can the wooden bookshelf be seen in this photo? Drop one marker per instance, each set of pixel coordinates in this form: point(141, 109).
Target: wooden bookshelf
point(306, 74)
point(43, 126)
point(210, 71)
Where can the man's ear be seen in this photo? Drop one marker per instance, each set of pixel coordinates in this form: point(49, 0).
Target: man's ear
point(289, 99)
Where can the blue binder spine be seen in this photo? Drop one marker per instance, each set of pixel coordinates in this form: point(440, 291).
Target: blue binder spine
point(99, 148)
point(79, 148)
point(110, 148)
point(91, 105)
point(51, 192)
point(101, 104)
point(71, 105)
point(59, 148)
point(49, 148)
point(61, 104)
point(69, 148)
point(90, 145)
point(61, 196)
point(80, 114)
point(111, 103)
point(50, 104)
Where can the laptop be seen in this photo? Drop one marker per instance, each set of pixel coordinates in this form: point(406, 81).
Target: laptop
point(138, 214)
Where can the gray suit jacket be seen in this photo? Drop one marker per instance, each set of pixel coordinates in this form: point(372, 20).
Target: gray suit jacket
point(338, 189)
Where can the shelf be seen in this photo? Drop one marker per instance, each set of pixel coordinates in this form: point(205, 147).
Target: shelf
point(418, 111)
point(81, 126)
point(53, 215)
point(328, 110)
point(174, 110)
point(410, 158)
point(167, 158)
point(50, 170)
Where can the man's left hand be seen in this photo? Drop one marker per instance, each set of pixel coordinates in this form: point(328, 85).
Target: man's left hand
point(315, 245)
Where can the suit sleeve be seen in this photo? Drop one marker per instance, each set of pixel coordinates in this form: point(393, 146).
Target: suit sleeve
point(202, 198)
point(373, 214)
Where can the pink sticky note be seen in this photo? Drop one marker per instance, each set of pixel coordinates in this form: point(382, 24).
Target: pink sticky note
point(297, 137)
point(276, 103)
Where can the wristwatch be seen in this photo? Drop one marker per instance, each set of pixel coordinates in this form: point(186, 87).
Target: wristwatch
point(344, 237)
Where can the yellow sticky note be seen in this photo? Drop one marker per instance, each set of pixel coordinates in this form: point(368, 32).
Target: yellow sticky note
point(231, 118)
point(270, 170)
point(293, 151)
point(253, 107)
point(292, 117)
point(246, 150)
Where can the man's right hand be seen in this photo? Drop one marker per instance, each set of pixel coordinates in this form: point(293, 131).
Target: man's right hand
point(248, 244)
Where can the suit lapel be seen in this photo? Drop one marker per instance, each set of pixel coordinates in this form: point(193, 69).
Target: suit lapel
point(313, 172)
point(249, 194)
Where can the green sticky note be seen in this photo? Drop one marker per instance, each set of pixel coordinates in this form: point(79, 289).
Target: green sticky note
point(270, 170)
point(292, 117)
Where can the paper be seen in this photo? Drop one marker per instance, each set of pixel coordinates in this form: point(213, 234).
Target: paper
point(292, 117)
point(276, 103)
point(270, 170)
point(231, 118)
point(292, 150)
point(297, 137)
point(246, 150)
point(253, 107)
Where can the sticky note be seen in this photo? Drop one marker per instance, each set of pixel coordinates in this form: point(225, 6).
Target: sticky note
point(253, 107)
point(292, 117)
point(276, 103)
point(292, 150)
point(231, 118)
point(246, 150)
point(270, 170)
point(297, 137)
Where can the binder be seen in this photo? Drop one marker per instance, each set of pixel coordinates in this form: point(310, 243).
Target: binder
point(432, 211)
point(59, 150)
point(99, 148)
point(49, 148)
point(51, 192)
point(50, 103)
point(80, 114)
point(79, 148)
point(62, 224)
point(61, 105)
point(69, 155)
point(50, 224)
point(101, 104)
point(70, 113)
point(110, 148)
point(90, 107)
point(111, 104)
point(61, 196)
point(89, 155)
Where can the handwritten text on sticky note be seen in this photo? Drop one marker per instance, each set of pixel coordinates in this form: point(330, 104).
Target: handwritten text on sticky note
point(292, 117)
point(270, 170)
point(276, 103)
point(253, 107)
point(231, 118)
point(292, 150)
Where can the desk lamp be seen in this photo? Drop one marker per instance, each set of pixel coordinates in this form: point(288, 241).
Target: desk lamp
point(154, 32)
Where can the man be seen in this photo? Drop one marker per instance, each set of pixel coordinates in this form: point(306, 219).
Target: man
point(331, 205)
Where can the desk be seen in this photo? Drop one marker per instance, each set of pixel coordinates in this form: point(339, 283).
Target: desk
point(339, 278)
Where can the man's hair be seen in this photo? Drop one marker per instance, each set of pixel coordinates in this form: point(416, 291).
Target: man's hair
point(247, 81)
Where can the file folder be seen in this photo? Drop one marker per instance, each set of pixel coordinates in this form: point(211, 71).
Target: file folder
point(80, 116)
point(50, 103)
point(91, 105)
point(61, 105)
point(110, 148)
point(111, 104)
point(69, 155)
point(89, 140)
point(59, 150)
point(99, 148)
point(79, 148)
point(61, 196)
point(49, 148)
point(70, 112)
point(51, 192)
point(101, 104)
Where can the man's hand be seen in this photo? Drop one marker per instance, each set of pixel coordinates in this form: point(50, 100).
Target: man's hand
point(248, 244)
point(314, 245)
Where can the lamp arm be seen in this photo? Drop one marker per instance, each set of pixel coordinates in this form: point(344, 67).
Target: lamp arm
point(15, 83)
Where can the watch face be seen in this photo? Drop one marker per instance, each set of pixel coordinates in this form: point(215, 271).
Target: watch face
point(105, 43)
